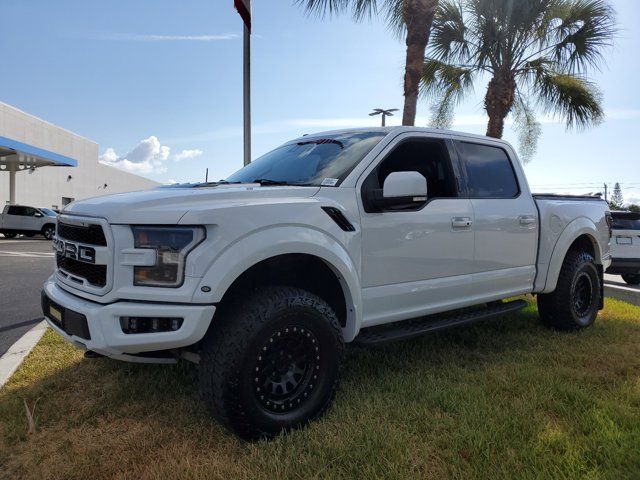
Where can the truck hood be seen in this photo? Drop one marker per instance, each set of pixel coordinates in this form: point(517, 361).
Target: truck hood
point(168, 205)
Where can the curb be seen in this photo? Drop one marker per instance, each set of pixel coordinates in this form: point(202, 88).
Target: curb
point(626, 294)
point(13, 358)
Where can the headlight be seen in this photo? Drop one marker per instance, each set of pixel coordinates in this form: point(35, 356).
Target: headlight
point(172, 245)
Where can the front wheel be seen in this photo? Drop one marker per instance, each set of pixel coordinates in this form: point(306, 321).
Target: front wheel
point(270, 362)
point(631, 278)
point(48, 231)
point(574, 303)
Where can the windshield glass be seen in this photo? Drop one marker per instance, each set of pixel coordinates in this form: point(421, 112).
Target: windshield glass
point(47, 212)
point(318, 160)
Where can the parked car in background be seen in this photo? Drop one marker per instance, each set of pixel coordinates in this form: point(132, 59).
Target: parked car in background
point(625, 246)
point(29, 221)
point(331, 238)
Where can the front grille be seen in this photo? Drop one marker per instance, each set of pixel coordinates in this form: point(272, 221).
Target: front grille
point(92, 234)
point(94, 274)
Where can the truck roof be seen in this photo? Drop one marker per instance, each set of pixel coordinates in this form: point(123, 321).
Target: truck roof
point(400, 129)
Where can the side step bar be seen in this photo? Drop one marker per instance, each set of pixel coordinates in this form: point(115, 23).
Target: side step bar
point(407, 329)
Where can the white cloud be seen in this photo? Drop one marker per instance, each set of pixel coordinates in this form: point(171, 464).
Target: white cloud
point(133, 37)
point(146, 157)
point(187, 154)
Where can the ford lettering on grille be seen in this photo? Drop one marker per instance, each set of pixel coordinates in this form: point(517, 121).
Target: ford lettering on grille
point(75, 251)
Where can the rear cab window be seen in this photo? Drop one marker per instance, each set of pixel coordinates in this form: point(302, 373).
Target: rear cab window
point(488, 170)
point(625, 221)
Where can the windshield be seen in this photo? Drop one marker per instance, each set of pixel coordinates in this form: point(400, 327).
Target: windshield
point(317, 160)
point(48, 213)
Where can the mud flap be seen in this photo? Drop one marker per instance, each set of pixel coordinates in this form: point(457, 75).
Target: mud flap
point(601, 277)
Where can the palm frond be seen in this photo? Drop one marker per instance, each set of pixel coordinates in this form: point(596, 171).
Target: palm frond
point(570, 96)
point(584, 31)
point(448, 33)
point(360, 9)
point(445, 85)
point(527, 128)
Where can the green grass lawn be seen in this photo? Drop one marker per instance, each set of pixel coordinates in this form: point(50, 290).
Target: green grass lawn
point(503, 399)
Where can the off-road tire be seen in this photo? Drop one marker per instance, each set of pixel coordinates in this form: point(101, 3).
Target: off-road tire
point(243, 330)
point(562, 309)
point(631, 278)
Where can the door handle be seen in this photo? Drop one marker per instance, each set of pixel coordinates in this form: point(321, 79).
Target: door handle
point(527, 219)
point(461, 222)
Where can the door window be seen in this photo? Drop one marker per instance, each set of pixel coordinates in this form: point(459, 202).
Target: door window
point(489, 171)
point(18, 211)
point(428, 157)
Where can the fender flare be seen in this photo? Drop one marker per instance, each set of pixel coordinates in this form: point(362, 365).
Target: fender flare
point(263, 244)
point(576, 228)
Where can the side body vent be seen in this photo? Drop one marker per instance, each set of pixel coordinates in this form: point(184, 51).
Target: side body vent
point(337, 216)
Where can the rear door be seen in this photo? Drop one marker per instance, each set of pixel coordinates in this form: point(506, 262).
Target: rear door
point(14, 218)
point(506, 219)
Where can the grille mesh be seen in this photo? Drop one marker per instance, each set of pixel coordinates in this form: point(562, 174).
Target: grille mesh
point(94, 274)
point(92, 235)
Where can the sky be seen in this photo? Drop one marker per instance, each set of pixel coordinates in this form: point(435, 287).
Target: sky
point(158, 84)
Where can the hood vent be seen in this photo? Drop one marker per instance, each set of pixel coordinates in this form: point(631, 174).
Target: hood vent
point(338, 217)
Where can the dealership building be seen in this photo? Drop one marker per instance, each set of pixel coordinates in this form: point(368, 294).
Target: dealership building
point(42, 165)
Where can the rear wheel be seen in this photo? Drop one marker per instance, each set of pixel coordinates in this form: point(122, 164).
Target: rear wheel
point(270, 362)
point(631, 278)
point(575, 301)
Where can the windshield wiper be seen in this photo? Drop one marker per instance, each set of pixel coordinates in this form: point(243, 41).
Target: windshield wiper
point(268, 181)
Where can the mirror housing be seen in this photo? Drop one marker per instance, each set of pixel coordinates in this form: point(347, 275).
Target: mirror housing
point(400, 189)
point(405, 185)
point(38, 214)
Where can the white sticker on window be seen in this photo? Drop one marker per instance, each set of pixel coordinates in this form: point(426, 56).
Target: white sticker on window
point(329, 182)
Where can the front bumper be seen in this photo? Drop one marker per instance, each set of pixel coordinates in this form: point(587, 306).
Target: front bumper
point(103, 333)
point(624, 265)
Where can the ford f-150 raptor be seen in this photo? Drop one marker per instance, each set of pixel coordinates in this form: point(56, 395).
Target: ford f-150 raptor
point(364, 235)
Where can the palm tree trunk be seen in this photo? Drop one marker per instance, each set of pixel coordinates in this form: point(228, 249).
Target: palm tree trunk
point(498, 101)
point(418, 16)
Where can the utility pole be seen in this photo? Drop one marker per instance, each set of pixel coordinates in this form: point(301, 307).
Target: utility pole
point(384, 113)
point(605, 192)
point(206, 176)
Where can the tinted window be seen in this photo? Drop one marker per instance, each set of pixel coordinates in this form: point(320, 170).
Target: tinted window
point(489, 171)
point(625, 221)
point(317, 160)
point(17, 211)
point(48, 212)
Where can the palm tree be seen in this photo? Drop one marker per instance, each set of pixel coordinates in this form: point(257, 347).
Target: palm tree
point(535, 52)
point(412, 17)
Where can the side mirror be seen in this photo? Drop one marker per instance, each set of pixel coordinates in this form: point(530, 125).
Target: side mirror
point(38, 214)
point(408, 186)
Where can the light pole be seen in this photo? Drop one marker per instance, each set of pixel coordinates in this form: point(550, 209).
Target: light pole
point(384, 113)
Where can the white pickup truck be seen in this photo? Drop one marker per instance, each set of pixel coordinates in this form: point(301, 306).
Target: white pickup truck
point(364, 236)
point(29, 221)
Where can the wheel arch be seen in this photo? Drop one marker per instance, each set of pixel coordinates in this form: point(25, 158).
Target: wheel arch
point(580, 234)
point(304, 258)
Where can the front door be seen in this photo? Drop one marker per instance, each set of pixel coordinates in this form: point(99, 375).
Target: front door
point(416, 258)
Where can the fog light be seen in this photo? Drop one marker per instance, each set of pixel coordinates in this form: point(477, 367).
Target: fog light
point(150, 324)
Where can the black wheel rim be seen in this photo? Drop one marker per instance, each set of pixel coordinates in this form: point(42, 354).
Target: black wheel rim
point(582, 294)
point(287, 368)
point(48, 233)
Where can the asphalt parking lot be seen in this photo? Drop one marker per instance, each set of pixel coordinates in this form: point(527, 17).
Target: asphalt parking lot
point(24, 265)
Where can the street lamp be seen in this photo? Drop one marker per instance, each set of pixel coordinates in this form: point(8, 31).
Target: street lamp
point(384, 113)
